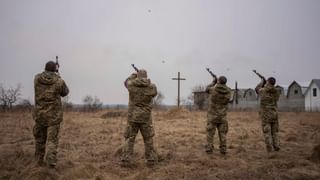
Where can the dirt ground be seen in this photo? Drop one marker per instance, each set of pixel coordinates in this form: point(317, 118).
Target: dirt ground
point(89, 143)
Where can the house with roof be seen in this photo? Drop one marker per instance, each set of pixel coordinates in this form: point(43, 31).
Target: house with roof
point(312, 96)
point(244, 99)
point(295, 97)
point(282, 103)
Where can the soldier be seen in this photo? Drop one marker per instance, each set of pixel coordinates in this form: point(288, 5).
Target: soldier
point(141, 93)
point(218, 105)
point(269, 112)
point(49, 87)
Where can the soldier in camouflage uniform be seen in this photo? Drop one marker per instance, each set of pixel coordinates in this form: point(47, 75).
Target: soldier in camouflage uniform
point(141, 94)
point(49, 88)
point(269, 97)
point(216, 118)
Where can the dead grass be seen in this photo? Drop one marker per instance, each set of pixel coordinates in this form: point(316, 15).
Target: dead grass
point(89, 144)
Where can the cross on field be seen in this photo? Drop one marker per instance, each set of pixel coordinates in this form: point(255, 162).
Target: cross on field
point(178, 79)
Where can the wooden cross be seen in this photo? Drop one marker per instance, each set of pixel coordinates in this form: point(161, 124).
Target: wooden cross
point(178, 79)
point(236, 92)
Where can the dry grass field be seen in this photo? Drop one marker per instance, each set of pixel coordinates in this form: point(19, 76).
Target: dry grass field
point(89, 143)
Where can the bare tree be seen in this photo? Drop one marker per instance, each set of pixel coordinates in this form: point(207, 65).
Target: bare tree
point(157, 101)
point(92, 103)
point(24, 105)
point(97, 104)
point(8, 97)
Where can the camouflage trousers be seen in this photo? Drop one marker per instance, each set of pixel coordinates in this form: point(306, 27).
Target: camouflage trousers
point(222, 131)
point(147, 133)
point(270, 131)
point(46, 136)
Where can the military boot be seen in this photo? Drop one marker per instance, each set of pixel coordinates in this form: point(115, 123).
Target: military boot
point(277, 148)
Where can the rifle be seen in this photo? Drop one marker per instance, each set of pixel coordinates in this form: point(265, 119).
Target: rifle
point(57, 64)
point(261, 77)
point(213, 75)
point(134, 67)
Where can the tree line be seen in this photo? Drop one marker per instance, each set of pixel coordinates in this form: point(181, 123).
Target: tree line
point(10, 99)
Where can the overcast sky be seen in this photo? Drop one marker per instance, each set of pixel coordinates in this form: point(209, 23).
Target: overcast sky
point(98, 40)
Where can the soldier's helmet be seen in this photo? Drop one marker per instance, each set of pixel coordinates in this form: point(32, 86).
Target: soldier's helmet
point(222, 80)
point(272, 80)
point(50, 66)
point(142, 73)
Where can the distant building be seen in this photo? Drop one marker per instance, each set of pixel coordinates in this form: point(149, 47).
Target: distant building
point(312, 96)
point(292, 98)
point(244, 99)
point(282, 103)
point(295, 97)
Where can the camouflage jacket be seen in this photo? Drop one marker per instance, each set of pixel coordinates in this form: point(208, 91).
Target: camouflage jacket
point(141, 94)
point(218, 102)
point(269, 97)
point(49, 88)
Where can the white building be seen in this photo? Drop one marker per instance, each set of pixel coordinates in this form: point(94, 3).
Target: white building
point(312, 96)
point(295, 97)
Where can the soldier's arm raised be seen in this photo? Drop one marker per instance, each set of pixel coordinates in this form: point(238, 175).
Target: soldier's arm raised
point(130, 78)
point(259, 87)
point(154, 90)
point(64, 89)
point(262, 83)
point(214, 81)
point(211, 85)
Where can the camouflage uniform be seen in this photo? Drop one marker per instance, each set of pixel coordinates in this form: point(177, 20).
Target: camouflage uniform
point(216, 117)
point(49, 88)
point(141, 93)
point(269, 115)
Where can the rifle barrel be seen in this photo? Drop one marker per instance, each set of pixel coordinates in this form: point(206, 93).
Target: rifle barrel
point(134, 67)
point(57, 64)
point(213, 75)
point(258, 74)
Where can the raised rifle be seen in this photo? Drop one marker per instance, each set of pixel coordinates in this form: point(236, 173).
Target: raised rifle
point(135, 68)
point(213, 75)
point(261, 77)
point(57, 64)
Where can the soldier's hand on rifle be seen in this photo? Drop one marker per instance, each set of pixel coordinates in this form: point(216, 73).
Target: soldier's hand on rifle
point(134, 75)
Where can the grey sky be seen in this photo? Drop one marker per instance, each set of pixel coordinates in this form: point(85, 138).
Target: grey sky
point(97, 40)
